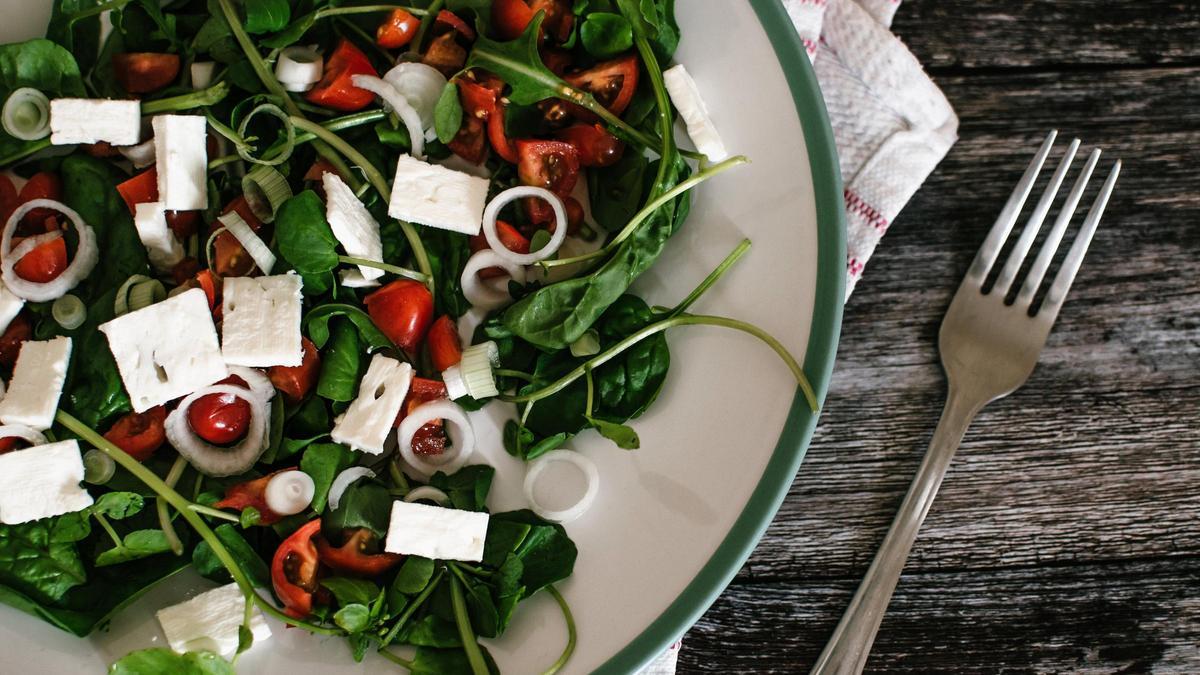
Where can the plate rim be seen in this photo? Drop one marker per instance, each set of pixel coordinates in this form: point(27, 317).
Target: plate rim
point(826, 324)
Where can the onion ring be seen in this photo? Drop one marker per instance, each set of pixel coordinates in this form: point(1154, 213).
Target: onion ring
point(429, 412)
point(428, 493)
point(217, 461)
point(590, 474)
point(492, 212)
point(241, 230)
point(290, 492)
point(421, 86)
point(481, 294)
point(344, 480)
point(29, 434)
point(408, 114)
point(87, 254)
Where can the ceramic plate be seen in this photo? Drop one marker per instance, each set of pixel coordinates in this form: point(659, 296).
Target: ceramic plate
point(674, 520)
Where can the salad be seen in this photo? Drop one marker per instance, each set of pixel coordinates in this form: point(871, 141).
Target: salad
point(260, 262)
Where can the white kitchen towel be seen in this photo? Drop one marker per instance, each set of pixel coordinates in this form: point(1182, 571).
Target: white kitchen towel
point(891, 123)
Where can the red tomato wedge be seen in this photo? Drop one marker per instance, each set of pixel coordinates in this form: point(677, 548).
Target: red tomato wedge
point(252, 494)
point(144, 72)
point(397, 30)
point(553, 165)
point(510, 17)
point(140, 434)
point(19, 330)
point(336, 90)
point(612, 83)
point(403, 310)
point(445, 347)
point(41, 185)
point(596, 146)
point(353, 557)
point(294, 570)
point(43, 263)
point(294, 382)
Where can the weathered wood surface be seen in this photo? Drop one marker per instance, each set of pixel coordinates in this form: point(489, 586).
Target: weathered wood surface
point(1066, 535)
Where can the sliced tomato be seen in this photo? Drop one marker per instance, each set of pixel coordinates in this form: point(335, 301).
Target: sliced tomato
point(430, 439)
point(140, 434)
point(359, 555)
point(403, 310)
point(489, 81)
point(41, 185)
point(230, 258)
point(553, 165)
point(294, 382)
point(445, 54)
point(445, 346)
point(450, 20)
point(144, 72)
point(9, 200)
point(510, 17)
point(221, 419)
point(208, 283)
point(397, 30)
point(184, 223)
point(612, 83)
point(294, 569)
point(43, 263)
point(139, 189)
point(512, 239)
point(596, 146)
point(499, 138)
point(18, 331)
point(101, 150)
point(336, 90)
point(479, 103)
point(540, 213)
point(184, 270)
point(252, 494)
point(10, 443)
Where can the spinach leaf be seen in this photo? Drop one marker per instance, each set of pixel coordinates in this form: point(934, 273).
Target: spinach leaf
point(654, 19)
point(353, 618)
point(430, 631)
point(413, 576)
point(365, 504)
point(448, 254)
point(323, 462)
point(90, 187)
point(482, 609)
point(207, 564)
point(80, 37)
point(161, 660)
point(316, 325)
point(94, 390)
point(119, 505)
point(448, 113)
point(310, 419)
point(216, 39)
point(40, 64)
point(467, 488)
point(546, 553)
point(292, 34)
point(518, 63)
point(433, 661)
point(507, 587)
point(135, 546)
point(341, 364)
point(351, 591)
point(605, 35)
point(305, 239)
point(615, 191)
point(145, 28)
point(624, 436)
point(267, 16)
point(627, 385)
point(40, 559)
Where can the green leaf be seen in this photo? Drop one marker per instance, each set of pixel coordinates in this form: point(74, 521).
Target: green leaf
point(448, 255)
point(518, 63)
point(316, 325)
point(351, 591)
point(80, 37)
point(448, 113)
point(135, 546)
point(245, 638)
point(624, 436)
point(546, 553)
point(616, 191)
point(40, 64)
point(503, 538)
point(605, 35)
point(434, 661)
point(353, 618)
point(508, 589)
point(90, 187)
point(365, 504)
point(207, 564)
point(266, 16)
point(305, 239)
point(323, 462)
point(430, 631)
point(292, 33)
point(119, 505)
point(249, 517)
point(413, 576)
point(160, 660)
point(341, 364)
point(467, 488)
point(482, 610)
point(40, 558)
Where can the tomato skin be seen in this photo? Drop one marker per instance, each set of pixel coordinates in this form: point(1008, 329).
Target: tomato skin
point(252, 494)
point(479, 104)
point(596, 146)
point(294, 382)
point(18, 331)
point(557, 60)
point(144, 72)
point(43, 263)
point(140, 435)
point(230, 258)
point(510, 17)
point(612, 83)
point(41, 185)
point(336, 90)
point(352, 557)
point(445, 346)
point(430, 439)
point(294, 570)
point(397, 30)
point(499, 138)
point(183, 223)
point(451, 20)
point(139, 189)
point(101, 150)
point(403, 310)
point(552, 165)
point(8, 198)
point(10, 443)
point(512, 239)
point(221, 419)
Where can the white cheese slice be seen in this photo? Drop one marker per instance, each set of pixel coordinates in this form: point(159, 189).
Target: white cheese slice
point(352, 224)
point(210, 622)
point(436, 532)
point(261, 321)
point(438, 197)
point(37, 383)
point(166, 350)
point(163, 248)
point(369, 419)
point(686, 97)
point(10, 306)
point(181, 146)
point(202, 73)
point(92, 120)
point(355, 279)
point(41, 482)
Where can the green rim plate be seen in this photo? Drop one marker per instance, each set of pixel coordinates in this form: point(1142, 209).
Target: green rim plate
point(785, 461)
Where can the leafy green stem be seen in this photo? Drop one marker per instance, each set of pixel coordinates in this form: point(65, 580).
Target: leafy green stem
point(712, 278)
point(98, 9)
point(520, 375)
point(662, 102)
point(197, 99)
point(426, 21)
point(365, 9)
point(164, 515)
point(465, 631)
point(27, 151)
point(570, 648)
point(391, 269)
point(403, 663)
point(214, 513)
point(112, 534)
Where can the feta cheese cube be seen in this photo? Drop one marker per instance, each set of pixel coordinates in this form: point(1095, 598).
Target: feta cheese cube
point(180, 144)
point(352, 224)
point(41, 482)
point(37, 383)
point(10, 306)
point(91, 120)
point(436, 532)
point(210, 622)
point(166, 350)
point(261, 324)
point(438, 197)
point(368, 420)
point(164, 250)
point(686, 97)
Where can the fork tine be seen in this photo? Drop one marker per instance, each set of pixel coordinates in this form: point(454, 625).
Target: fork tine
point(1034, 224)
point(1008, 216)
point(1037, 271)
point(1070, 266)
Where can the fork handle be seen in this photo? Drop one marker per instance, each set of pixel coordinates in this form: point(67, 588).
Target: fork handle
point(848, 648)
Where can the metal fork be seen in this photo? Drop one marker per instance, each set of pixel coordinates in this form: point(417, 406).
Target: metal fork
point(988, 348)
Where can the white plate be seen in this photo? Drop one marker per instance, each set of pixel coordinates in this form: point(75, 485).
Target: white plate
point(675, 519)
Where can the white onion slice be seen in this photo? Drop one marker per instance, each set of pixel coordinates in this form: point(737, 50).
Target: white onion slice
point(462, 437)
point(142, 154)
point(501, 200)
point(393, 98)
point(480, 293)
point(260, 385)
point(427, 493)
point(344, 480)
point(299, 68)
point(217, 461)
point(290, 492)
point(26, 114)
point(29, 434)
point(87, 254)
point(202, 73)
point(590, 474)
point(421, 85)
point(250, 241)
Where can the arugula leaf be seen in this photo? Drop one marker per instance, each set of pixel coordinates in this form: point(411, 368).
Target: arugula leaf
point(365, 504)
point(341, 364)
point(161, 660)
point(467, 488)
point(40, 64)
point(305, 239)
point(448, 113)
point(323, 462)
point(351, 591)
point(655, 19)
point(605, 35)
point(207, 564)
point(518, 63)
point(40, 558)
point(292, 34)
point(119, 505)
point(266, 16)
point(216, 39)
point(135, 546)
point(316, 325)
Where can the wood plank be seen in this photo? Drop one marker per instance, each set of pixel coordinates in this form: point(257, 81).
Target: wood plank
point(1095, 458)
point(1130, 617)
point(948, 35)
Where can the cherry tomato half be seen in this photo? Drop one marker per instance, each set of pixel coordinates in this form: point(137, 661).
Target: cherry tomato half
point(612, 83)
point(596, 146)
point(221, 419)
point(512, 239)
point(139, 189)
point(336, 90)
point(360, 554)
point(397, 30)
point(479, 104)
point(230, 258)
point(430, 439)
point(553, 165)
point(499, 137)
point(541, 213)
point(144, 72)
point(445, 346)
point(252, 494)
point(41, 185)
point(294, 570)
point(294, 382)
point(510, 17)
point(10, 443)
point(449, 20)
point(139, 434)
point(43, 263)
point(403, 310)
point(18, 331)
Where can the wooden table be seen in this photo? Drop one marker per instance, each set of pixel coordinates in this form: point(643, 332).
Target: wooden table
point(1066, 536)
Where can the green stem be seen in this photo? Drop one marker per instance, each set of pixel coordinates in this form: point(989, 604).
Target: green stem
point(412, 609)
point(364, 9)
point(164, 516)
point(197, 99)
point(392, 269)
point(658, 327)
point(31, 149)
point(214, 513)
point(182, 505)
point(387, 654)
point(647, 210)
point(366, 39)
point(570, 648)
point(465, 632)
point(520, 375)
point(108, 528)
point(662, 103)
point(396, 474)
point(620, 127)
point(418, 42)
point(307, 107)
point(712, 278)
point(591, 387)
point(336, 124)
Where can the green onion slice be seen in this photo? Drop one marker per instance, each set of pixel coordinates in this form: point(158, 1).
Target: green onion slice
point(26, 114)
point(69, 311)
point(289, 144)
point(265, 190)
